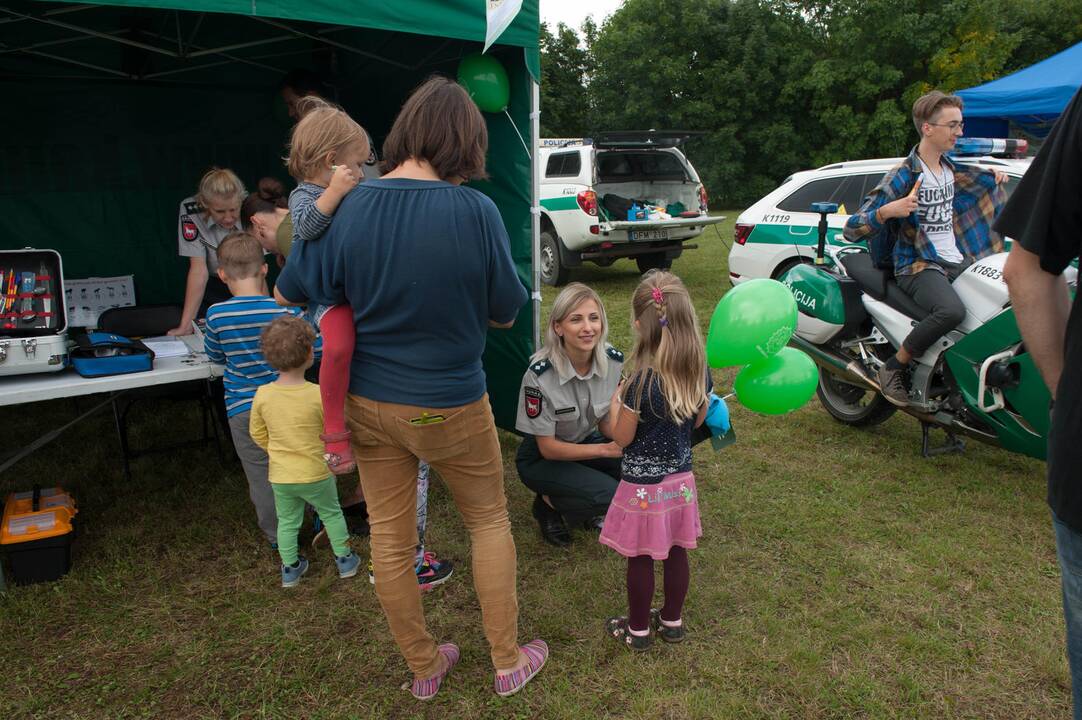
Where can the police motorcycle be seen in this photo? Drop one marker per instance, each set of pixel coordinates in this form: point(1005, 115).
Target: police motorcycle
point(977, 381)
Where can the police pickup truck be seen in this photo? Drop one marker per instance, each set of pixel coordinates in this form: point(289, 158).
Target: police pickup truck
point(590, 188)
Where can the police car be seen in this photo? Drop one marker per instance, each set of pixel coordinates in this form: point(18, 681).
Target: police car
point(781, 231)
point(590, 189)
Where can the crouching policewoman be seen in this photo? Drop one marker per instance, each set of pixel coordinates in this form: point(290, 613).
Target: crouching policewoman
point(567, 456)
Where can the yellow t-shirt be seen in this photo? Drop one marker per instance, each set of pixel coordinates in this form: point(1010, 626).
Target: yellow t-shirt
point(286, 421)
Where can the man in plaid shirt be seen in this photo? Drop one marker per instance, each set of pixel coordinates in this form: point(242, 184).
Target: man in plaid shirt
point(929, 219)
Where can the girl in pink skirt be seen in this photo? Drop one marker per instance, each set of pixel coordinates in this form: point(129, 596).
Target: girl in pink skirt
point(654, 514)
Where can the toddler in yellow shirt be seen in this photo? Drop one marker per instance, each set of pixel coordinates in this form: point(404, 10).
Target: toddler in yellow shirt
point(286, 421)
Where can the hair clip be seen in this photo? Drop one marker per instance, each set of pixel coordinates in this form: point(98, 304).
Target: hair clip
point(659, 297)
point(663, 321)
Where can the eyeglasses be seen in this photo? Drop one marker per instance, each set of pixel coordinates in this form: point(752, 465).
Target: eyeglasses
point(953, 125)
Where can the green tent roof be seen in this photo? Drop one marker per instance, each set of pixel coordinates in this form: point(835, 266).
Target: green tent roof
point(460, 19)
point(122, 106)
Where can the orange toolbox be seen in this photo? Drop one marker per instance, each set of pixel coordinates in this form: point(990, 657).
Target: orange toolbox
point(36, 534)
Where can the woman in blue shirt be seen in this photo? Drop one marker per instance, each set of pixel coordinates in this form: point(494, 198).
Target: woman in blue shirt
point(426, 266)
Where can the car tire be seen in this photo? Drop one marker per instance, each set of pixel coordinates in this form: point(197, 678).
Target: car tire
point(787, 265)
point(553, 271)
point(653, 261)
point(852, 404)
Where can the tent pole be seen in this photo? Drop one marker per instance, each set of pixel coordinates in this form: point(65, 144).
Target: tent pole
point(332, 43)
point(535, 208)
point(92, 33)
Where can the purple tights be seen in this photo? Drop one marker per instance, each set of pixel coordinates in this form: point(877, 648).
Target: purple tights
point(640, 587)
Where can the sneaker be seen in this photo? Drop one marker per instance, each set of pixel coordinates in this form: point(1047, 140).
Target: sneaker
point(430, 573)
point(892, 385)
point(433, 571)
point(619, 629)
point(319, 533)
point(537, 653)
point(667, 633)
point(291, 574)
point(347, 566)
point(426, 689)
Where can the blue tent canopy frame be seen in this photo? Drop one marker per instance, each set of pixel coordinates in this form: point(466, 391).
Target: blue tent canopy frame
point(1032, 97)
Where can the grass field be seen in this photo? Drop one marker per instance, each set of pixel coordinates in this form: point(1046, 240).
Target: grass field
point(840, 576)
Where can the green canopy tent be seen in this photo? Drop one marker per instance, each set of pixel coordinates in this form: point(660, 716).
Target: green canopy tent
point(113, 111)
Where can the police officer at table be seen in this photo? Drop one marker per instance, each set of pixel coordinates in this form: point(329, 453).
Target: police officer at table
point(204, 220)
point(567, 456)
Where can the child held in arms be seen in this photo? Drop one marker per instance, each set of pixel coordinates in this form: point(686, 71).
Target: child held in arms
point(286, 420)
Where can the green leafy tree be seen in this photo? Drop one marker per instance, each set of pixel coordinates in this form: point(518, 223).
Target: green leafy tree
point(564, 102)
point(783, 85)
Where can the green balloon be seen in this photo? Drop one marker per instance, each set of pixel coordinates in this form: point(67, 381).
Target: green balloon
point(752, 321)
point(486, 81)
point(778, 384)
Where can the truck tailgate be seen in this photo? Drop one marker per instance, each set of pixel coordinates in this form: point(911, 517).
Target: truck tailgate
point(702, 220)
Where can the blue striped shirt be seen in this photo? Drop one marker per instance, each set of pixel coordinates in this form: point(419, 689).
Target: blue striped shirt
point(232, 339)
point(309, 222)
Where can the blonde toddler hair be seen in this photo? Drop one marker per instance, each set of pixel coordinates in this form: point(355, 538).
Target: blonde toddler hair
point(669, 343)
point(323, 129)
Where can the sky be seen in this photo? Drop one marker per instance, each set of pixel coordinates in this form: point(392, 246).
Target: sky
point(573, 12)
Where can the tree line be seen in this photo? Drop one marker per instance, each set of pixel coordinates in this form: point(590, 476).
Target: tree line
point(784, 85)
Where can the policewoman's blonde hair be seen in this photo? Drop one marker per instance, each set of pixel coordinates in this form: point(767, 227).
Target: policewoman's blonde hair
point(324, 129)
point(553, 348)
point(668, 342)
point(220, 183)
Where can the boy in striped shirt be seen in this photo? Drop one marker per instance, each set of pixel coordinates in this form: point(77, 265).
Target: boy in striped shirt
point(232, 339)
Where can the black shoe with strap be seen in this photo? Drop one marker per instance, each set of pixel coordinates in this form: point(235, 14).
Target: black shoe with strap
point(553, 528)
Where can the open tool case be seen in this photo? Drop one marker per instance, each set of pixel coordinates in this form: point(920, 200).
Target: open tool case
point(33, 321)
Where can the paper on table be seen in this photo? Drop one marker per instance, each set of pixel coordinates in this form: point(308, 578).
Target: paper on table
point(165, 346)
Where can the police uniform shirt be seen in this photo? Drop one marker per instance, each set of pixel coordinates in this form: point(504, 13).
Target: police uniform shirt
point(370, 169)
point(556, 402)
point(198, 235)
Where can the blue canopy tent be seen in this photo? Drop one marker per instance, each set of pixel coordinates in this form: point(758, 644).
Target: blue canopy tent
point(1032, 98)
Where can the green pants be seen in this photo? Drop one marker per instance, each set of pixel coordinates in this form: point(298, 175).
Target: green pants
point(289, 501)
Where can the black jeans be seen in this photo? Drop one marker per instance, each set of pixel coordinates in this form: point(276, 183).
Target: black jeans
point(932, 290)
point(578, 490)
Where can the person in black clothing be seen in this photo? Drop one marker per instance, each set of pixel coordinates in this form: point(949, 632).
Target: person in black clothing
point(1044, 217)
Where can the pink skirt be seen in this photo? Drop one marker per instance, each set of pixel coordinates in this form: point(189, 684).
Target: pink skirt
point(650, 519)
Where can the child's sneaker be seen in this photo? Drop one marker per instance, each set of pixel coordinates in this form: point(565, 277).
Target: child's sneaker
point(291, 574)
point(619, 629)
point(347, 565)
point(668, 633)
point(433, 571)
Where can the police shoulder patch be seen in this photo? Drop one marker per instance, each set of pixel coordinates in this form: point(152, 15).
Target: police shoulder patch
point(532, 401)
point(188, 229)
point(614, 353)
point(540, 367)
point(192, 207)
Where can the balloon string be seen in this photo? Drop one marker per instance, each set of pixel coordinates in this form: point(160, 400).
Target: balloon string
point(730, 395)
point(517, 133)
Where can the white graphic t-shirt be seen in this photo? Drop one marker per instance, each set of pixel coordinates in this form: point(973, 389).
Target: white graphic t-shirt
point(936, 211)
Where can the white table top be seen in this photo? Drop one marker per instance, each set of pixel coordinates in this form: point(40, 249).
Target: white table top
point(17, 389)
